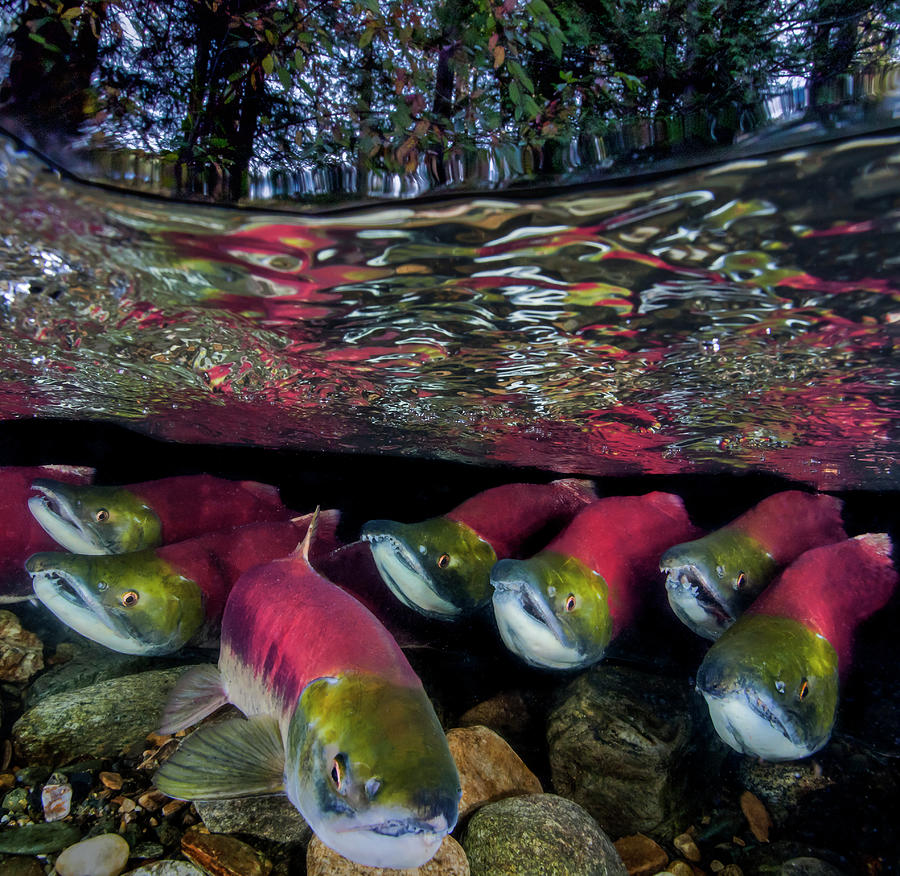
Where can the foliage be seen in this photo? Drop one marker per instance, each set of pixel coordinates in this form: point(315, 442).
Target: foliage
point(353, 92)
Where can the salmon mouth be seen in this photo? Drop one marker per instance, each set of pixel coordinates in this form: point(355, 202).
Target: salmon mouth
point(56, 516)
point(691, 595)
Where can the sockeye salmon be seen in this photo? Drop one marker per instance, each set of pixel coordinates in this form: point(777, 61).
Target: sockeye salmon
point(156, 600)
point(116, 520)
point(441, 566)
point(561, 608)
point(336, 719)
point(771, 681)
point(712, 580)
point(20, 535)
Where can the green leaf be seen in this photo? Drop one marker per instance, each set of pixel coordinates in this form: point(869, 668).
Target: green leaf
point(299, 60)
point(367, 36)
point(285, 78)
point(268, 64)
point(531, 106)
point(72, 12)
point(516, 69)
point(556, 44)
point(515, 93)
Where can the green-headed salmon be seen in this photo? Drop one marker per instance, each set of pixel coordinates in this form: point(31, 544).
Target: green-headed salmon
point(771, 681)
point(336, 719)
point(712, 580)
point(441, 566)
point(115, 520)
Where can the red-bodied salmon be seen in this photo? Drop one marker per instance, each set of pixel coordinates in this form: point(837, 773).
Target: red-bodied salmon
point(561, 608)
point(156, 600)
point(335, 718)
point(116, 520)
point(20, 535)
point(441, 567)
point(712, 580)
point(771, 681)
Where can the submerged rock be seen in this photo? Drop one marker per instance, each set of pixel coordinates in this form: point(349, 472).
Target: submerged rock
point(809, 867)
point(488, 768)
point(168, 868)
point(449, 860)
point(641, 855)
point(101, 719)
point(223, 855)
point(21, 652)
point(38, 839)
point(274, 818)
point(538, 835)
point(633, 749)
point(104, 855)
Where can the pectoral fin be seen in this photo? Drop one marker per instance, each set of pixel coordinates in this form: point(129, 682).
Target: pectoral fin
point(196, 694)
point(237, 758)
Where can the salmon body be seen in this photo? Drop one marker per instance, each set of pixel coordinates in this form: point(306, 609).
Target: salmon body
point(156, 600)
point(561, 608)
point(115, 520)
point(441, 566)
point(771, 681)
point(336, 719)
point(20, 534)
point(712, 580)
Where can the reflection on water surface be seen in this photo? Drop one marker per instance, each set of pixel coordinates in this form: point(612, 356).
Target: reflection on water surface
point(739, 315)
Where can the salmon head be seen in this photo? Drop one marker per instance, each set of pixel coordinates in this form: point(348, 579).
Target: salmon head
point(552, 610)
point(368, 766)
point(771, 686)
point(94, 520)
point(712, 580)
point(132, 603)
point(439, 567)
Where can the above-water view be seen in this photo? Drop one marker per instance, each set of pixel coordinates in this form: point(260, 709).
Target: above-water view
point(449, 441)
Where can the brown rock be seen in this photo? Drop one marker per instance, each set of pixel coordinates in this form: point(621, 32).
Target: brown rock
point(450, 860)
point(21, 652)
point(488, 768)
point(19, 865)
point(113, 781)
point(680, 868)
point(151, 800)
point(223, 855)
point(641, 855)
point(685, 844)
point(506, 714)
point(757, 816)
point(7, 781)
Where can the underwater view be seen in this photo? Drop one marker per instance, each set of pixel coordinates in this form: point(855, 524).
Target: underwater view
point(449, 441)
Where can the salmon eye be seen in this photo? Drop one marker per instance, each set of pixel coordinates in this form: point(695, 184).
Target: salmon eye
point(443, 561)
point(102, 515)
point(570, 602)
point(804, 690)
point(129, 598)
point(338, 768)
point(741, 579)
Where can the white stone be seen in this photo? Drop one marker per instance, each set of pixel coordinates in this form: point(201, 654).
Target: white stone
point(104, 855)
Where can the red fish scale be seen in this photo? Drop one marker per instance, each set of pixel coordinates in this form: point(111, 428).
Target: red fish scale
point(194, 504)
point(290, 626)
point(622, 538)
point(787, 524)
point(832, 589)
point(507, 516)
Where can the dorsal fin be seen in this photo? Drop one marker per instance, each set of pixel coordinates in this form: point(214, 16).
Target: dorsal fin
point(303, 547)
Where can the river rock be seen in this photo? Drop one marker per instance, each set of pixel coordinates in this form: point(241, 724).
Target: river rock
point(633, 749)
point(222, 855)
point(38, 839)
point(449, 860)
point(104, 855)
point(102, 719)
point(168, 868)
point(807, 866)
point(538, 835)
point(273, 818)
point(641, 855)
point(488, 768)
point(21, 866)
point(21, 652)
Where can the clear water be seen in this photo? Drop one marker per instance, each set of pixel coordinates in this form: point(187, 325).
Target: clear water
point(740, 315)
